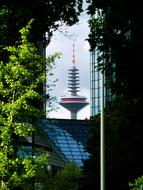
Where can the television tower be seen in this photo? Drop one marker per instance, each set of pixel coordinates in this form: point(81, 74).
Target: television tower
point(73, 102)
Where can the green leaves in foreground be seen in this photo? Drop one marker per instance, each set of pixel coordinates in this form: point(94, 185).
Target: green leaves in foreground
point(21, 81)
point(137, 184)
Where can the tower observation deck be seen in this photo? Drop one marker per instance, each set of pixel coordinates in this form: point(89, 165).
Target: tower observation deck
point(73, 102)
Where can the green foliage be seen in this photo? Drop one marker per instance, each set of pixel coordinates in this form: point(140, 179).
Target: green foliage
point(67, 178)
point(20, 108)
point(123, 138)
point(117, 32)
point(117, 37)
point(48, 16)
point(137, 184)
point(22, 73)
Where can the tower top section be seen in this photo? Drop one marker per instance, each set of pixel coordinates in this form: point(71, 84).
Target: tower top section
point(73, 102)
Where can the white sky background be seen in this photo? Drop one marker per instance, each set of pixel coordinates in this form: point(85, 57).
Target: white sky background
point(63, 42)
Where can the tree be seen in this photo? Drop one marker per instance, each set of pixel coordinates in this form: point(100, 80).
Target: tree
point(20, 78)
point(123, 137)
point(66, 178)
point(117, 32)
point(48, 16)
point(137, 184)
point(91, 166)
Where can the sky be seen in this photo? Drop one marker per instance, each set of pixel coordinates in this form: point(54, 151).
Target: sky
point(62, 41)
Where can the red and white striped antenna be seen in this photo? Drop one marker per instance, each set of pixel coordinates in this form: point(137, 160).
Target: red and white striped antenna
point(73, 56)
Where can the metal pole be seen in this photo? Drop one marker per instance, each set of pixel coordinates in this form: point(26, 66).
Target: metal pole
point(102, 145)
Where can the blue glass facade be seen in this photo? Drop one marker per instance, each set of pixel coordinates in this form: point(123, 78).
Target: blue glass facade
point(95, 83)
point(68, 138)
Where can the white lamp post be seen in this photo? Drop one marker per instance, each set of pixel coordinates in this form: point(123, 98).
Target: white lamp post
point(102, 145)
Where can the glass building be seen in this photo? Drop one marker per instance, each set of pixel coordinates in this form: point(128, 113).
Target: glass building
point(63, 139)
point(95, 83)
point(67, 139)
